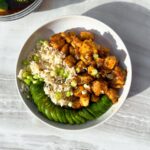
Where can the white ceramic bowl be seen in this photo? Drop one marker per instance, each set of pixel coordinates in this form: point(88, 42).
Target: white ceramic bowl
point(105, 35)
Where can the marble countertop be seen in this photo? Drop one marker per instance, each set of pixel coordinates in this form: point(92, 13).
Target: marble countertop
point(127, 129)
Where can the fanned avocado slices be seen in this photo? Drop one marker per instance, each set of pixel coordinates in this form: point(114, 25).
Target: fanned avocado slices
point(64, 115)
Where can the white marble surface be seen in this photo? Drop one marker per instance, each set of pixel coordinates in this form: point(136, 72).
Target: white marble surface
point(129, 129)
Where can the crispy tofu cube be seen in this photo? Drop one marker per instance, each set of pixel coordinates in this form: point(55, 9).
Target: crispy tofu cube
point(110, 62)
point(112, 94)
point(84, 100)
point(87, 59)
point(119, 78)
point(55, 37)
point(94, 98)
point(80, 66)
point(85, 35)
point(76, 42)
point(93, 63)
point(70, 60)
point(76, 104)
point(92, 71)
point(72, 50)
point(58, 44)
point(88, 48)
point(65, 49)
point(104, 72)
point(84, 79)
point(77, 53)
point(67, 37)
point(99, 87)
point(99, 62)
point(78, 91)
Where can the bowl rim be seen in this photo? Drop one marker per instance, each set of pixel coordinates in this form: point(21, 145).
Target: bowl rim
point(129, 75)
point(22, 13)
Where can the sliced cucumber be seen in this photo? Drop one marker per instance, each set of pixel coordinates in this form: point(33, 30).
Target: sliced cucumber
point(68, 116)
point(85, 114)
point(77, 121)
point(53, 113)
point(58, 114)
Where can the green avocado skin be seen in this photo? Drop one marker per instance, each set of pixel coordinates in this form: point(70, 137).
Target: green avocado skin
point(66, 115)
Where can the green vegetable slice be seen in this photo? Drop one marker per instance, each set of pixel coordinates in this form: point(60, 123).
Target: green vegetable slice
point(85, 114)
point(68, 116)
point(74, 118)
point(58, 114)
point(47, 111)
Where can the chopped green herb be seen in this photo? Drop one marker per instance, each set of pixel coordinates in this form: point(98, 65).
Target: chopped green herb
point(69, 93)
point(58, 95)
point(25, 62)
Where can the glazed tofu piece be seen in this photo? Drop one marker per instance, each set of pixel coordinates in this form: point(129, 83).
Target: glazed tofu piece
point(92, 71)
point(87, 59)
point(84, 100)
point(72, 50)
point(55, 37)
point(84, 79)
point(68, 36)
point(56, 41)
point(76, 104)
point(112, 94)
point(70, 60)
point(99, 87)
point(99, 62)
point(78, 91)
point(110, 62)
point(119, 78)
point(85, 35)
point(88, 48)
point(93, 63)
point(76, 42)
point(94, 98)
point(80, 66)
point(65, 49)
